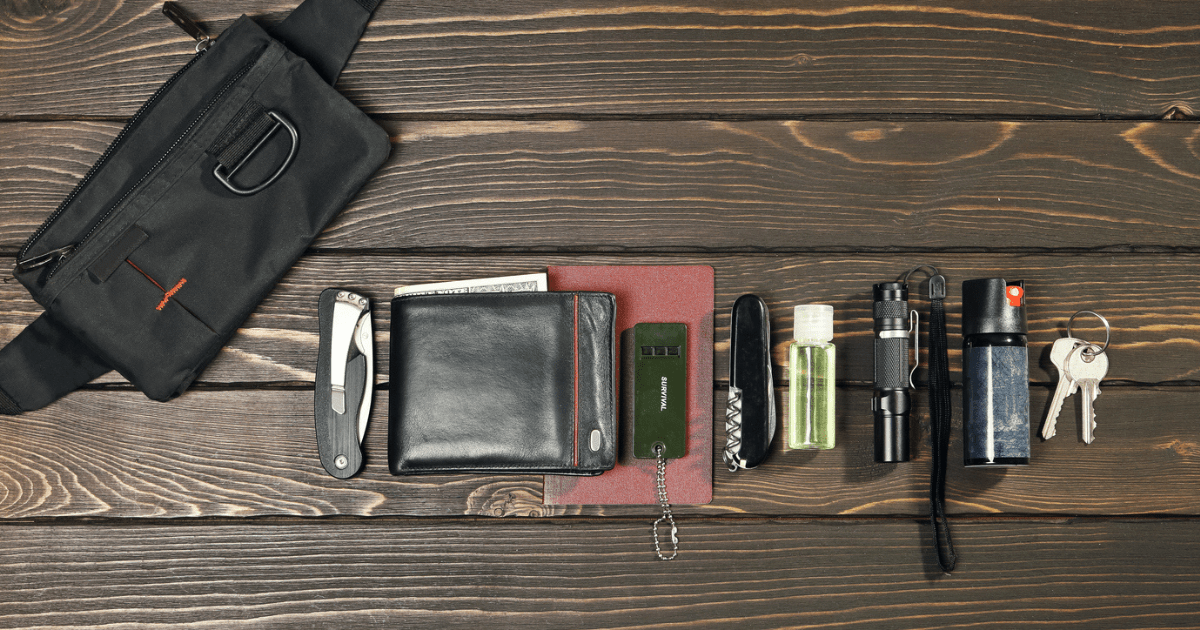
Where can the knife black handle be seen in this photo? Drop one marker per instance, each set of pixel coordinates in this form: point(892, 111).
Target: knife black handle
point(750, 375)
point(337, 433)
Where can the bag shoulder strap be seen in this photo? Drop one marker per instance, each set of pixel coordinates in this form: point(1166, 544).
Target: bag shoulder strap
point(44, 363)
point(325, 32)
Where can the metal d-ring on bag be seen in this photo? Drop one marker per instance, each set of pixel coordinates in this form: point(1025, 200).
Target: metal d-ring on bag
point(196, 210)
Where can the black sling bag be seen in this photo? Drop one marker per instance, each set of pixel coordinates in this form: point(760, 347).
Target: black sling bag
point(212, 191)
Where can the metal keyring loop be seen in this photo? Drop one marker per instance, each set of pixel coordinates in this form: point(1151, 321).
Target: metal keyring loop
point(1107, 328)
point(918, 268)
point(1090, 351)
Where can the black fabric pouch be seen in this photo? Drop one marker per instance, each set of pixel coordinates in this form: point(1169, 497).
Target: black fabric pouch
point(503, 383)
point(208, 196)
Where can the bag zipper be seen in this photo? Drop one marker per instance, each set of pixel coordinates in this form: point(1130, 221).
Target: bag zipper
point(175, 13)
point(24, 263)
point(186, 132)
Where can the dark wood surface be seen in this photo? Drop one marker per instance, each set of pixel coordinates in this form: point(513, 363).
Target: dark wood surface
point(603, 58)
point(585, 573)
point(804, 151)
point(715, 186)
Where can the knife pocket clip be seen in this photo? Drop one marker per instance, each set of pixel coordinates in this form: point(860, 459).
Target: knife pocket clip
point(348, 329)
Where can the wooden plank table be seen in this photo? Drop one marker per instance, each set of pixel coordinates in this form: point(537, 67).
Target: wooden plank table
point(803, 150)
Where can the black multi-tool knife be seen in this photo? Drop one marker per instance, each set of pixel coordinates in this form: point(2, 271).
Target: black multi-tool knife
point(750, 410)
point(345, 380)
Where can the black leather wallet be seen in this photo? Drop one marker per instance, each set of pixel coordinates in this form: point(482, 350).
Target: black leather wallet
point(503, 382)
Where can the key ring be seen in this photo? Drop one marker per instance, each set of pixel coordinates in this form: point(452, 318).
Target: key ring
point(1107, 329)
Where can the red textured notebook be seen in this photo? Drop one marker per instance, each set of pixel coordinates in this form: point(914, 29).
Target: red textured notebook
point(652, 294)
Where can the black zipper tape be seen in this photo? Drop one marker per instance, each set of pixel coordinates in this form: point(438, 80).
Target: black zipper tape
point(24, 262)
point(65, 252)
point(162, 158)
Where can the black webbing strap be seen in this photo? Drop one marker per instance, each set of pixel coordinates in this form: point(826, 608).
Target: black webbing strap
point(939, 421)
point(325, 32)
point(8, 406)
point(241, 135)
point(44, 363)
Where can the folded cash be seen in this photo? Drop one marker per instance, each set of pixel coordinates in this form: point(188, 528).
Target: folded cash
point(505, 284)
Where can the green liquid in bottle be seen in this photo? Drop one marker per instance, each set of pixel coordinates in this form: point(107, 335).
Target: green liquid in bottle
point(810, 413)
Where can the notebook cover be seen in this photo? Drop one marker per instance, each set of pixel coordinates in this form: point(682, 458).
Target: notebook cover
point(652, 294)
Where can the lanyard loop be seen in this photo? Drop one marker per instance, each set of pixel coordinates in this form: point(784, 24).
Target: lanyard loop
point(939, 417)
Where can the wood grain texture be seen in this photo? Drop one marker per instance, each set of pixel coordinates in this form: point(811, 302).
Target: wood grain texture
point(600, 57)
point(253, 454)
point(1148, 300)
point(212, 454)
point(805, 152)
point(711, 186)
point(748, 573)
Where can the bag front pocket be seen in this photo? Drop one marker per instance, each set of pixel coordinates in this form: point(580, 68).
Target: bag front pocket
point(141, 326)
point(155, 147)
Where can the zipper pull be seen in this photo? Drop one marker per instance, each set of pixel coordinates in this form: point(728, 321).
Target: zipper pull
point(42, 260)
point(173, 11)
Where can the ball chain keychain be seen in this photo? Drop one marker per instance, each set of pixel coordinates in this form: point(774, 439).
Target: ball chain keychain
point(661, 484)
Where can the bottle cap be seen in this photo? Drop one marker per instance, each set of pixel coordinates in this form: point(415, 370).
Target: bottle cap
point(813, 322)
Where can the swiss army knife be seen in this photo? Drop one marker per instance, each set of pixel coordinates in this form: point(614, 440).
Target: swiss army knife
point(750, 411)
point(345, 380)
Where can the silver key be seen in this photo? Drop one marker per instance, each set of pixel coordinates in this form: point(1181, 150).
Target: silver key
point(1087, 367)
point(1066, 386)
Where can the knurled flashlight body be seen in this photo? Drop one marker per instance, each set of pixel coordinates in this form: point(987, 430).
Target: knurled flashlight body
point(891, 402)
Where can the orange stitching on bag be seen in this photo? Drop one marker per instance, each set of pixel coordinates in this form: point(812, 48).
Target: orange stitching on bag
point(139, 269)
point(175, 289)
point(166, 294)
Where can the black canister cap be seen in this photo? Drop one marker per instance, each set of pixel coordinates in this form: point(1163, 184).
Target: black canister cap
point(991, 305)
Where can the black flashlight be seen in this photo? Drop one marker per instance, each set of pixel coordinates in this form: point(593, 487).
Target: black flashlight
point(891, 401)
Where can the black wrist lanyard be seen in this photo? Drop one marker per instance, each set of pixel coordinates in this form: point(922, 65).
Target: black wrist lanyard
point(939, 418)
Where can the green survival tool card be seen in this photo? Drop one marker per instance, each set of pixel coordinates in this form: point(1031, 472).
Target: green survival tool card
point(659, 390)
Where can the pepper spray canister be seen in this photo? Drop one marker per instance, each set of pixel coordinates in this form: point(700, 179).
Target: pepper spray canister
point(995, 373)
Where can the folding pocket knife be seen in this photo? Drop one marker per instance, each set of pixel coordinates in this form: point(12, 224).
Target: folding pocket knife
point(750, 410)
point(345, 380)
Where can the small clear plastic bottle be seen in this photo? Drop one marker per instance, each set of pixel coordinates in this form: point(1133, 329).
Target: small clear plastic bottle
point(811, 373)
